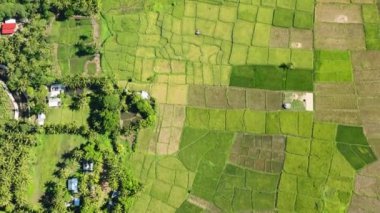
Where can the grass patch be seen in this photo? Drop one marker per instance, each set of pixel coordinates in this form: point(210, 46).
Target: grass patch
point(48, 153)
point(66, 34)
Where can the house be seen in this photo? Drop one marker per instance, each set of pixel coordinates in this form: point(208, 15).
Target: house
point(9, 27)
point(41, 119)
point(76, 201)
point(72, 185)
point(144, 95)
point(54, 102)
point(56, 90)
point(88, 166)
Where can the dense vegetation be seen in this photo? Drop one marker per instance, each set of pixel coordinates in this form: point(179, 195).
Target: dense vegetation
point(15, 159)
point(27, 69)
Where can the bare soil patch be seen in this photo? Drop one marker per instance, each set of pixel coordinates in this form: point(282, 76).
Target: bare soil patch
point(236, 98)
point(338, 13)
point(259, 152)
point(274, 100)
point(204, 204)
point(301, 39)
point(279, 37)
point(256, 99)
point(339, 36)
point(216, 97)
point(339, 116)
point(196, 96)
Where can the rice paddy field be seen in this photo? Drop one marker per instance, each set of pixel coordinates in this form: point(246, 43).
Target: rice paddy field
point(220, 71)
point(64, 36)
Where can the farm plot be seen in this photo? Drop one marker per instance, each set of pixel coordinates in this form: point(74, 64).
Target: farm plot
point(366, 189)
point(271, 78)
point(241, 190)
point(337, 103)
point(234, 98)
point(338, 13)
point(65, 35)
point(205, 152)
point(298, 14)
point(315, 173)
point(168, 132)
point(333, 66)
point(295, 39)
point(166, 181)
point(353, 145)
point(162, 47)
point(263, 153)
point(371, 20)
point(334, 36)
point(259, 122)
point(367, 77)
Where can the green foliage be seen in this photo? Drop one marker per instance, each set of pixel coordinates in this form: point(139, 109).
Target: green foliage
point(14, 162)
point(68, 8)
point(5, 106)
point(11, 10)
point(27, 54)
point(145, 107)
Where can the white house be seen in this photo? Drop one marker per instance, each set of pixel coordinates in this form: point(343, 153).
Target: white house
point(56, 90)
point(41, 119)
point(54, 102)
point(10, 21)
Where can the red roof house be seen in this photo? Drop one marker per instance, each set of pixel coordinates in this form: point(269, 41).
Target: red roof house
point(8, 28)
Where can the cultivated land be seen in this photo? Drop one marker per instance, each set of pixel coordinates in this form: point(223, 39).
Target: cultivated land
point(222, 141)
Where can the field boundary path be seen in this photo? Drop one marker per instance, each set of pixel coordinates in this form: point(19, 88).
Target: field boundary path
point(204, 204)
point(96, 37)
point(14, 103)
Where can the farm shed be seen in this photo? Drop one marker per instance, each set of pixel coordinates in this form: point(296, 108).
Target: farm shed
point(88, 166)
